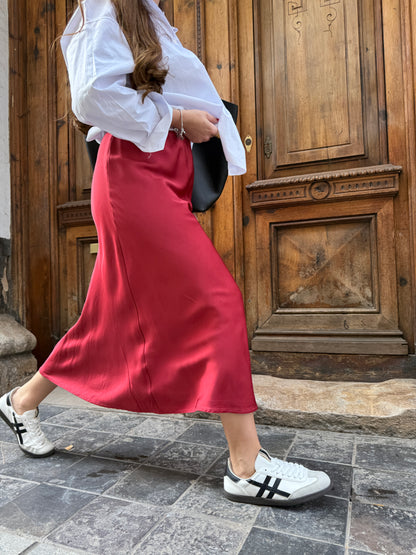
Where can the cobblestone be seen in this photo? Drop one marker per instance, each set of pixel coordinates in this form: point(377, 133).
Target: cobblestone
point(135, 484)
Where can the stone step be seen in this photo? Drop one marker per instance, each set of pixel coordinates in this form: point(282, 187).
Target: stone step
point(17, 363)
point(386, 408)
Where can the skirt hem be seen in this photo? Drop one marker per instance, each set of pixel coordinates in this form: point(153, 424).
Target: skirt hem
point(188, 410)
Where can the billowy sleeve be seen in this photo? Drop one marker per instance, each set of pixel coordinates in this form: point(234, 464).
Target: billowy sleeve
point(99, 60)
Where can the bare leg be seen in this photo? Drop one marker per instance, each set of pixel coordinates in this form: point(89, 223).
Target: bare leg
point(243, 442)
point(32, 393)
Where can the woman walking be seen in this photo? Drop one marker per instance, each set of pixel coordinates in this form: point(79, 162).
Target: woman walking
point(163, 327)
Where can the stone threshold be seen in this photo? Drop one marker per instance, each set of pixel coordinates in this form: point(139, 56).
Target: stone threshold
point(385, 408)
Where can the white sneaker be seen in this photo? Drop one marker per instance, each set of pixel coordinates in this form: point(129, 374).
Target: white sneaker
point(276, 482)
point(26, 426)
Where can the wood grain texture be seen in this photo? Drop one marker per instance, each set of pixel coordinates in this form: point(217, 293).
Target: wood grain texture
point(348, 184)
point(303, 73)
point(18, 158)
point(63, 105)
point(320, 114)
point(319, 84)
point(40, 29)
point(411, 118)
point(319, 264)
point(220, 64)
point(76, 271)
point(189, 18)
point(333, 367)
point(399, 67)
point(331, 106)
point(247, 56)
point(325, 266)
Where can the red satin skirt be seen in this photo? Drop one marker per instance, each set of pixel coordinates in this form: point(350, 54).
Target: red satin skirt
point(163, 327)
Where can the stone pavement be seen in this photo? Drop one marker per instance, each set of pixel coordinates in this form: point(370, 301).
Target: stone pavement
point(146, 484)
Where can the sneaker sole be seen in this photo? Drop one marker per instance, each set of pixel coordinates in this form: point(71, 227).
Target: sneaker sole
point(275, 502)
point(33, 455)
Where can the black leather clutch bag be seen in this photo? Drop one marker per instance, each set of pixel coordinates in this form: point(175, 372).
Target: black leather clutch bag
point(92, 148)
point(211, 169)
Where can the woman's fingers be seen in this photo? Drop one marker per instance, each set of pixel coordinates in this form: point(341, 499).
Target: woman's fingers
point(199, 125)
point(211, 118)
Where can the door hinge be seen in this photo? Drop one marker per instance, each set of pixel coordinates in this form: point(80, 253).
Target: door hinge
point(268, 147)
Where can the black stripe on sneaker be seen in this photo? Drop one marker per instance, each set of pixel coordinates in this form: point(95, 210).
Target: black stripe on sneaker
point(265, 453)
point(19, 429)
point(263, 487)
point(230, 474)
point(273, 490)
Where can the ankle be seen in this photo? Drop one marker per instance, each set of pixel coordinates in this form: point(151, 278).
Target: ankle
point(243, 467)
point(20, 402)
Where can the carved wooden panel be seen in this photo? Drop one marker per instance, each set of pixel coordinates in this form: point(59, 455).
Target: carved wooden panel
point(327, 279)
point(317, 82)
point(325, 265)
point(81, 167)
point(355, 183)
point(75, 214)
point(324, 106)
point(79, 246)
point(87, 250)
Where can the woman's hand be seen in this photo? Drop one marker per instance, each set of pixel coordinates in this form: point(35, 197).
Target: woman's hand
point(199, 126)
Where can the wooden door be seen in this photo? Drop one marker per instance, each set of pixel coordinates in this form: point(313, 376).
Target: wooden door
point(331, 254)
point(330, 228)
point(319, 233)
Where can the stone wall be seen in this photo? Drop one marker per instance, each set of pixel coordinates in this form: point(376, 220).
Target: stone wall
point(4, 274)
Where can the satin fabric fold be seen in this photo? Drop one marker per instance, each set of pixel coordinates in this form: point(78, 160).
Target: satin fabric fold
point(163, 327)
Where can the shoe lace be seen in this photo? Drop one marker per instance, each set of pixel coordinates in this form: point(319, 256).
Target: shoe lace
point(33, 427)
point(287, 469)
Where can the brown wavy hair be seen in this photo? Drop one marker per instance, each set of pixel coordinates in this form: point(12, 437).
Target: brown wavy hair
point(149, 73)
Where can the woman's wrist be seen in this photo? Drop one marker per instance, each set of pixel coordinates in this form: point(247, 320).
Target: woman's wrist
point(176, 118)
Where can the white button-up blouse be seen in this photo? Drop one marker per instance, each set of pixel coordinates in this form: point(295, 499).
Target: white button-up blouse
point(99, 60)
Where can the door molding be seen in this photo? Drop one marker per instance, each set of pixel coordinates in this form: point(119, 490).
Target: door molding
point(18, 156)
